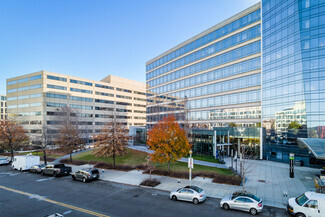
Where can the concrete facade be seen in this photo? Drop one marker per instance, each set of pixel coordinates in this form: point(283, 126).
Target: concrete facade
point(36, 99)
point(3, 107)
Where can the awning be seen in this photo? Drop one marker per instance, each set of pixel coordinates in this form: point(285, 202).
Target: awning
point(316, 146)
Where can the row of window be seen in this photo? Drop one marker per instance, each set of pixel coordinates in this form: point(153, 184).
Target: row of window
point(32, 78)
point(31, 87)
point(238, 53)
point(26, 105)
point(30, 96)
point(233, 26)
point(212, 49)
point(90, 84)
point(238, 68)
point(243, 82)
point(62, 105)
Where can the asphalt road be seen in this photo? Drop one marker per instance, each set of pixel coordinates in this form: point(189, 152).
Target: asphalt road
point(23, 194)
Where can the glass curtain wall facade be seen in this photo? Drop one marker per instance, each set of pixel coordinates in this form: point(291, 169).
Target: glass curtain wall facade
point(293, 99)
point(212, 79)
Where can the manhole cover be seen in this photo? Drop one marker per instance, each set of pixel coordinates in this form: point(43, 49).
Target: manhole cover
point(261, 180)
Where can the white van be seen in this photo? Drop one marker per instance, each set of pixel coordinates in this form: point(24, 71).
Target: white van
point(309, 204)
point(25, 162)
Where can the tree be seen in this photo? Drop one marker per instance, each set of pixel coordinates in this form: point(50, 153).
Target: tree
point(246, 157)
point(112, 140)
point(68, 137)
point(12, 135)
point(168, 141)
point(46, 140)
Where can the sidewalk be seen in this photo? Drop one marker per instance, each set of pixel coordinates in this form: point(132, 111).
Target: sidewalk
point(267, 179)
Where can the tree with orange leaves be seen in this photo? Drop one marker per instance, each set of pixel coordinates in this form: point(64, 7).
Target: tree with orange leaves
point(168, 141)
point(12, 135)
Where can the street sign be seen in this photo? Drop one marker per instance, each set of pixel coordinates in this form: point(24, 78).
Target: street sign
point(190, 163)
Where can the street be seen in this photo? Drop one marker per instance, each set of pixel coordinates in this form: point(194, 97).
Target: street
point(24, 194)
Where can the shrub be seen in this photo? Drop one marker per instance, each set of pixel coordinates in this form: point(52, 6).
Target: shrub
point(76, 162)
point(150, 182)
point(216, 178)
point(123, 167)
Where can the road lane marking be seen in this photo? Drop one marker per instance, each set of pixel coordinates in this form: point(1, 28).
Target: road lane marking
point(54, 202)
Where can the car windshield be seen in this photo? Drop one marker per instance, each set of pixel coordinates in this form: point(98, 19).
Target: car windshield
point(301, 199)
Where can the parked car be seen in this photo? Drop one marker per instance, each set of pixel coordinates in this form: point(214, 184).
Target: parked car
point(85, 175)
point(25, 162)
point(56, 170)
point(307, 204)
point(37, 168)
point(189, 193)
point(4, 161)
point(244, 202)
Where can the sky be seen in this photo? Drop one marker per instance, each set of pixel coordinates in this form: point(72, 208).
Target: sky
point(92, 39)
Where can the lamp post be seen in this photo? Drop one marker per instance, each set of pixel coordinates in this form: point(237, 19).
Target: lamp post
point(190, 166)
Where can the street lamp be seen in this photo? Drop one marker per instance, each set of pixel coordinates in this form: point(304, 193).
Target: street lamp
point(190, 166)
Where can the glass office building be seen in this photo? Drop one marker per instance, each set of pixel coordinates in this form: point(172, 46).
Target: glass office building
point(293, 85)
point(261, 69)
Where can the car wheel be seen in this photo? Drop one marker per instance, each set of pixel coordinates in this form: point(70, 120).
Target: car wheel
point(55, 174)
point(195, 201)
point(225, 206)
point(20, 169)
point(84, 180)
point(253, 211)
point(73, 178)
point(174, 198)
point(300, 215)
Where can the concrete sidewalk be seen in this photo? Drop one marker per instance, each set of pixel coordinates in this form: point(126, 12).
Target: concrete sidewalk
point(266, 179)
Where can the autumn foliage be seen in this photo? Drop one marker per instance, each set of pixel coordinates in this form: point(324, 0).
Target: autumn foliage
point(168, 141)
point(12, 135)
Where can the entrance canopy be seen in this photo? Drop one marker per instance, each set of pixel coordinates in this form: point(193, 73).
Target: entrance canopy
point(316, 146)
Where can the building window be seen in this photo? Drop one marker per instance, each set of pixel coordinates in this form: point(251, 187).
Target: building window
point(104, 86)
point(124, 90)
point(104, 101)
point(35, 77)
point(56, 87)
point(80, 90)
point(56, 78)
point(81, 82)
point(58, 96)
point(81, 99)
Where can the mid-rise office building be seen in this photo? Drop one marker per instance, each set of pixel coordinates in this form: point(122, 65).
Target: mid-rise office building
point(255, 79)
point(3, 107)
point(35, 100)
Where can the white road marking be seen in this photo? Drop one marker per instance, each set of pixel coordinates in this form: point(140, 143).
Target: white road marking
point(67, 212)
point(42, 180)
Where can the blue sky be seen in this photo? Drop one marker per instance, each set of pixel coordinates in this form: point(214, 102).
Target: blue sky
point(93, 39)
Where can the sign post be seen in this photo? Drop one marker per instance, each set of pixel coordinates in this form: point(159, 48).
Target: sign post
point(292, 158)
point(190, 166)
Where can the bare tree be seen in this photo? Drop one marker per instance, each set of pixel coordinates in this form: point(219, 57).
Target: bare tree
point(150, 165)
point(46, 140)
point(12, 135)
point(68, 137)
point(112, 140)
point(246, 157)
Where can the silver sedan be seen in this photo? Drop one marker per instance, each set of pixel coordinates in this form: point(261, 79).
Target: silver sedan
point(189, 193)
point(245, 202)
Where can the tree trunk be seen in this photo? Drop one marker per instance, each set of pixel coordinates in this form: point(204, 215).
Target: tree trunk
point(114, 159)
point(168, 167)
point(44, 156)
point(70, 157)
point(11, 152)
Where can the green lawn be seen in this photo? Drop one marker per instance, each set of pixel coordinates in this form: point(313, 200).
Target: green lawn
point(134, 157)
point(40, 153)
point(207, 158)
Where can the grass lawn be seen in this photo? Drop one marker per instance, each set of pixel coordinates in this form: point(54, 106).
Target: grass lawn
point(40, 153)
point(205, 158)
point(134, 157)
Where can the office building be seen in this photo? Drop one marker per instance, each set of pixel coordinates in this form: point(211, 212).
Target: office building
point(36, 100)
point(3, 107)
point(255, 79)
